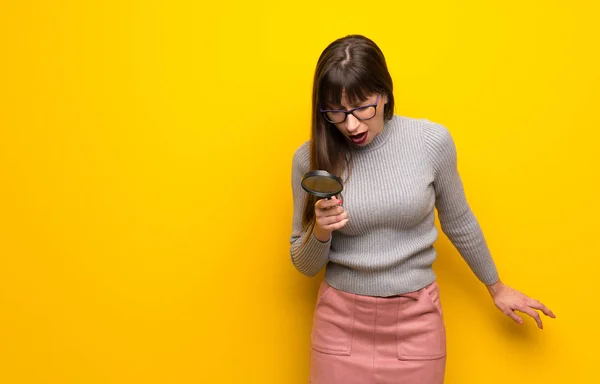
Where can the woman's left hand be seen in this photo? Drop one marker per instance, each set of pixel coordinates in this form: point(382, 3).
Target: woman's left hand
point(509, 300)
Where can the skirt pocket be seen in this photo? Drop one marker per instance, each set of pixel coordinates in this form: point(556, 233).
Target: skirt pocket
point(333, 321)
point(420, 332)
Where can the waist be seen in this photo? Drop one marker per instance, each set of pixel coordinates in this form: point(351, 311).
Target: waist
point(384, 283)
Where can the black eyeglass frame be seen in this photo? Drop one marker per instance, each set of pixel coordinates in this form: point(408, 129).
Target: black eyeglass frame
point(351, 111)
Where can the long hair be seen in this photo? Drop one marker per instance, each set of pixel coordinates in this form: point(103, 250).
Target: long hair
point(353, 64)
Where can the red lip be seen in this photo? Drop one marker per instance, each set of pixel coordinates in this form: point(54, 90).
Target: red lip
point(360, 138)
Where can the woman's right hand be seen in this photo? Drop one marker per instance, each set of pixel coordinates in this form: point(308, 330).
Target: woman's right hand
point(330, 216)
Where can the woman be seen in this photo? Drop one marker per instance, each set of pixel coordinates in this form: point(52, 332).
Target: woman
point(378, 317)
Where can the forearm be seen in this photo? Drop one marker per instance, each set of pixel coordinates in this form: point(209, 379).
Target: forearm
point(466, 235)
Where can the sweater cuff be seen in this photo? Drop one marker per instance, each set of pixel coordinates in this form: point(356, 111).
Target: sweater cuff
point(311, 254)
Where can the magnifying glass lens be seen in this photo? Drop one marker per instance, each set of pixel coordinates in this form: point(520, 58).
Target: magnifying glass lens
point(322, 184)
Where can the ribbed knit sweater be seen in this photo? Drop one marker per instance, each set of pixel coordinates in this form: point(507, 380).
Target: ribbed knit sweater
point(397, 180)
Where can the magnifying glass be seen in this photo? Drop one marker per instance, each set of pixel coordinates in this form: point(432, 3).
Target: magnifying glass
point(322, 184)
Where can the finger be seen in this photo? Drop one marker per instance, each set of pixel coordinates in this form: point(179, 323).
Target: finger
point(515, 317)
point(328, 220)
point(537, 305)
point(338, 225)
point(323, 213)
point(532, 313)
point(326, 203)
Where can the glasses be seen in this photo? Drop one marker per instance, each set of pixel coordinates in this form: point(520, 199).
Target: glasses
point(365, 112)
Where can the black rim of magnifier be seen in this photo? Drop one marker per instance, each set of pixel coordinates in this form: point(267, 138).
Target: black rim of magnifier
point(322, 174)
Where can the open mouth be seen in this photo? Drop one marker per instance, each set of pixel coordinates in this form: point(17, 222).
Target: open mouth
point(359, 139)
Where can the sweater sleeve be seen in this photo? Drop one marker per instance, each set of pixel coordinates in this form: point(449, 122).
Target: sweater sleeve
point(309, 255)
point(456, 217)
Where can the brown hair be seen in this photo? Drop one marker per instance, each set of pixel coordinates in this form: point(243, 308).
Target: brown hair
point(356, 65)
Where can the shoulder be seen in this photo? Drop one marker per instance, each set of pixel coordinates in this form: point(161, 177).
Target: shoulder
point(432, 133)
point(301, 158)
point(437, 140)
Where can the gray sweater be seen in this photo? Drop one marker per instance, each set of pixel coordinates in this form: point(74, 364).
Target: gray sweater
point(386, 248)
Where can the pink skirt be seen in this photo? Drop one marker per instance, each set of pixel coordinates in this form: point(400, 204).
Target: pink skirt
point(359, 339)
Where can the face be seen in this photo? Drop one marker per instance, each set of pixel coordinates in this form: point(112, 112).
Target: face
point(361, 132)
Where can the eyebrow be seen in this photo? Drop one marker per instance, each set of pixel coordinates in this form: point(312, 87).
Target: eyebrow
point(341, 107)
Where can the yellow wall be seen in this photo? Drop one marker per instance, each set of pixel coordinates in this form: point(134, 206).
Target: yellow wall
point(145, 206)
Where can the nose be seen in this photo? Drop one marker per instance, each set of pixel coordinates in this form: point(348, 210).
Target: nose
point(352, 123)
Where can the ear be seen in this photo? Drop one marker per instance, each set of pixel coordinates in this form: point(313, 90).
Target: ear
point(384, 98)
